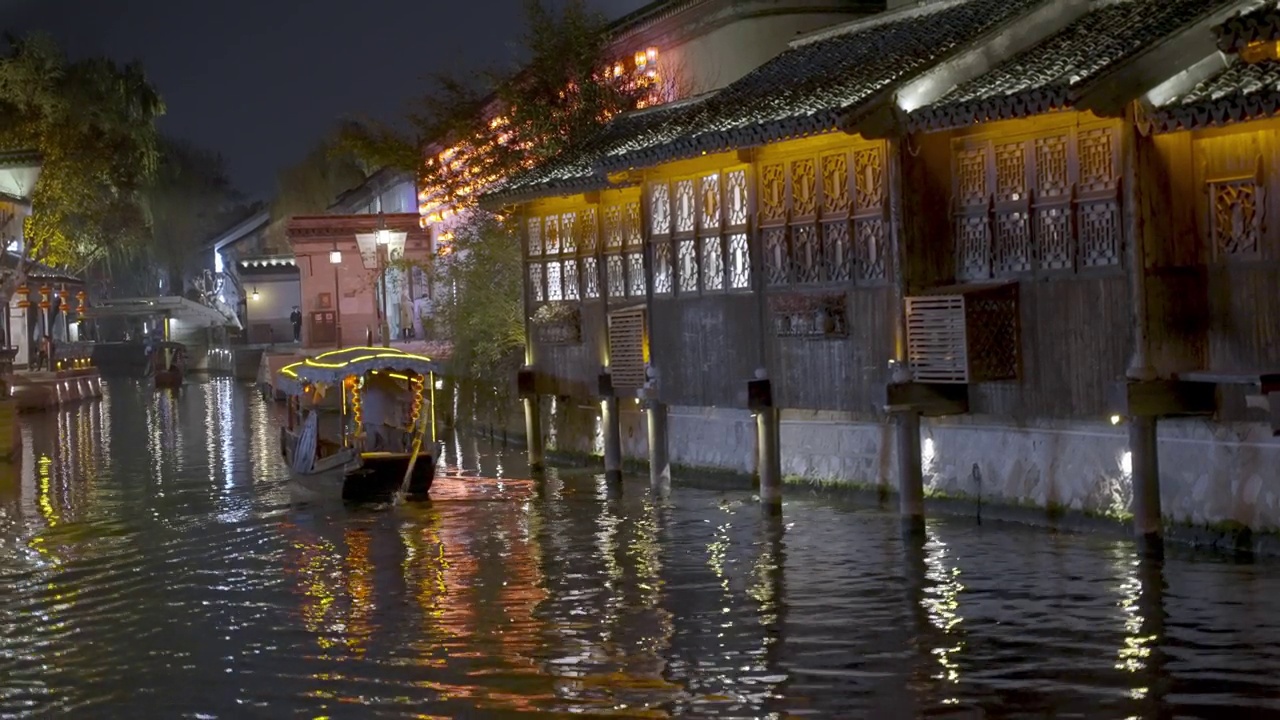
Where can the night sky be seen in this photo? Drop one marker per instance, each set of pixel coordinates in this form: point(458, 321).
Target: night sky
point(262, 80)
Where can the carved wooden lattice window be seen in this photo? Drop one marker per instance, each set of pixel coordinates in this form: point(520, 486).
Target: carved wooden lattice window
point(709, 217)
point(806, 254)
point(628, 348)
point(835, 185)
point(570, 279)
point(535, 236)
point(613, 227)
point(635, 274)
point(804, 194)
point(535, 282)
point(551, 235)
point(1054, 248)
point(660, 209)
point(869, 235)
point(972, 224)
point(773, 194)
point(568, 233)
point(587, 231)
point(617, 276)
point(1049, 204)
point(736, 198)
point(662, 268)
point(632, 234)
point(554, 291)
point(687, 270)
point(739, 262)
point(1236, 217)
point(685, 207)
point(712, 263)
point(590, 278)
point(1098, 201)
point(776, 263)
point(836, 251)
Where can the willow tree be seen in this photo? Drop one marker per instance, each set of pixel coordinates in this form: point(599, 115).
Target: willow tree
point(468, 133)
point(93, 122)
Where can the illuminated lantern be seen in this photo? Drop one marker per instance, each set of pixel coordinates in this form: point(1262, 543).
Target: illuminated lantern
point(81, 305)
point(23, 292)
point(417, 401)
point(44, 297)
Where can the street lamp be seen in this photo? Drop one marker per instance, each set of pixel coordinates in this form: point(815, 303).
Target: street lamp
point(383, 237)
point(335, 259)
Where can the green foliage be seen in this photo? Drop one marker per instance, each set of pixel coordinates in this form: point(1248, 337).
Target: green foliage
point(93, 121)
point(310, 186)
point(468, 133)
point(485, 311)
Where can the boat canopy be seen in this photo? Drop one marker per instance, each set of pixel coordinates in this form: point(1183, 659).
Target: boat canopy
point(333, 367)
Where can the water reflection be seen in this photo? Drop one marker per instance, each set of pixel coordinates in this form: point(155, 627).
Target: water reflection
point(152, 560)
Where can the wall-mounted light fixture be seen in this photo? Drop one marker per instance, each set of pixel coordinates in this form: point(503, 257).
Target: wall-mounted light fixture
point(255, 294)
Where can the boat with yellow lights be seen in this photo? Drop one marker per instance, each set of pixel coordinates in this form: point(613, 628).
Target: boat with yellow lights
point(360, 425)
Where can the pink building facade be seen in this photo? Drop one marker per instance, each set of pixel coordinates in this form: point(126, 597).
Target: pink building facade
point(339, 269)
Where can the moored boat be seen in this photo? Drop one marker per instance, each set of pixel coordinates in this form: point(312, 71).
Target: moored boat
point(168, 361)
point(360, 425)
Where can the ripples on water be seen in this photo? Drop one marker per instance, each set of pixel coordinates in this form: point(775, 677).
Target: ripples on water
point(151, 566)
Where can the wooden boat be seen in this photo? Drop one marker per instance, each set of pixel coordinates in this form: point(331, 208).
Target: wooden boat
point(326, 439)
point(168, 364)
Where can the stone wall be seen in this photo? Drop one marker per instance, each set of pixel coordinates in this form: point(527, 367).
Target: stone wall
point(1211, 473)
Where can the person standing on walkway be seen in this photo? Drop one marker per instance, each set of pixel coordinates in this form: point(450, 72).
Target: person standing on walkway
point(295, 318)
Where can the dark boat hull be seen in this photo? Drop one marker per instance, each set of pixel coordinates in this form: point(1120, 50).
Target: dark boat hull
point(381, 474)
point(168, 378)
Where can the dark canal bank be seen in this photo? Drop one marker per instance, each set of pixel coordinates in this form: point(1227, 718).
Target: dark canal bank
point(151, 566)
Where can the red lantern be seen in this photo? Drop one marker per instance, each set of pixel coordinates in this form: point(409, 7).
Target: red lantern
point(23, 291)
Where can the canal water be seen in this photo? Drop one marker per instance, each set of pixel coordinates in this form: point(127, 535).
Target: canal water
point(151, 565)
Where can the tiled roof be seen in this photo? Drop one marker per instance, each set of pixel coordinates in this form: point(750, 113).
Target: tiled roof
point(1242, 91)
point(1049, 75)
point(1258, 25)
point(19, 158)
point(575, 169)
point(811, 86)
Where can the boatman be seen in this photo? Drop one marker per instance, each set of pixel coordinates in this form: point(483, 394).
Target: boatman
point(295, 318)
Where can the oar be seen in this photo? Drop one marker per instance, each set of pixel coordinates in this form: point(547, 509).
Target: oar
point(413, 460)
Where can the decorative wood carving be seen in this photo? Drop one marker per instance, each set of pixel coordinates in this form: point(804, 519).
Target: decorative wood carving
point(612, 226)
point(868, 166)
point(836, 251)
point(572, 283)
point(554, 288)
point(662, 268)
point(660, 209)
point(973, 247)
point(870, 247)
point(710, 202)
point(776, 256)
point(806, 254)
point(835, 184)
point(739, 262)
point(1011, 172)
point(617, 277)
point(551, 235)
point(535, 236)
point(1052, 178)
point(1099, 234)
point(1054, 246)
point(1012, 243)
point(687, 269)
point(804, 196)
point(810, 315)
point(964, 335)
point(773, 193)
point(712, 263)
point(632, 233)
point(971, 175)
point(635, 274)
point(535, 282)
point(568, 233)
point(590, 277)
point(588, 233)
point(1097, 160)
point(736, 204)
point(684, 211)
point(1236, 215)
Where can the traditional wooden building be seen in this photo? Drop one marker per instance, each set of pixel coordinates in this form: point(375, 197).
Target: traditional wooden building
point(1037, 224)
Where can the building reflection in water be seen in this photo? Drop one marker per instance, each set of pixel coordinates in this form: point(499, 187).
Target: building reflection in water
point(1141, 604)
point(933, 594)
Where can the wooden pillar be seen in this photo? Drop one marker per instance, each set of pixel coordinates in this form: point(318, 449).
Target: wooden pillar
point(1148, 523)
point(768, 438)
point(659, 457)
point(1134, 150)
point(910, 475)
point(612, 439)
point(533, 432)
